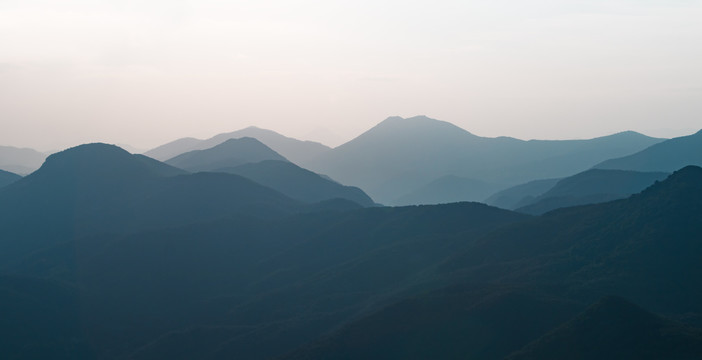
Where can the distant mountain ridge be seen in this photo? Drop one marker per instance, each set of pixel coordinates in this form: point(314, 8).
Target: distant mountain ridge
point(230, 153)
point(666, 156)
point(591, 187)
point(20, 161)
point(400, 155)
point(297, 151)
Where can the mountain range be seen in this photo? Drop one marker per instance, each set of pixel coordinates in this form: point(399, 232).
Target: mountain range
point(233, 251)
point(222, 266)
point(400, 156)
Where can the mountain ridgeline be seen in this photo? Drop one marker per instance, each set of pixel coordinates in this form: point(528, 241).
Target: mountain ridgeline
point(295, 150)
point(400, 156)
point(232, 152)
point(7, 178)
point(230, 250)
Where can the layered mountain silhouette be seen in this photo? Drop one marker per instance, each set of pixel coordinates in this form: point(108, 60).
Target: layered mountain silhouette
point(591, 187)
point(667, 156)
point(20, 160)
point(230, 153)
point(99, 188)
point(400, 155)
point(614, 328)
point(7, 178)
point(520, 195)
point(297, 151)
point(627, 248)
point(298, 183)
point(447, 189)
point(631, 248)
point(150, 261)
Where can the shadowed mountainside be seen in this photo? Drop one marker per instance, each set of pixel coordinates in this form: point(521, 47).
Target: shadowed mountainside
point(99, 188)
point(591, 187)
point(632, 248)
point(7, 178)
point(298, 183)
point(614, 328)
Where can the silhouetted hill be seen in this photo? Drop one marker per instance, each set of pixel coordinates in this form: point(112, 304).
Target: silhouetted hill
point(7, 178)
point(297, 151)
point(285, 280)
point(447, 189)
point(399, 155)
point(453, 323)
point(41, 320)
point(231, 153)
point(591, 187)
point(298, 183)
point(643, 248)
point(667, 156)
point(98, 188)
point(614, 328)
point(20, 161)
point(520, 195)
point(213, 265)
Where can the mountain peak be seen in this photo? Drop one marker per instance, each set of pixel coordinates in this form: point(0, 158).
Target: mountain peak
point(101, 160)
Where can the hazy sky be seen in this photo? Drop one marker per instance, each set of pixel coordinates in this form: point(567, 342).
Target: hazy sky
point(147, 72)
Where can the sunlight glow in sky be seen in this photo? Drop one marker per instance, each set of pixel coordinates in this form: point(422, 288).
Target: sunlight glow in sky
point(147, 72)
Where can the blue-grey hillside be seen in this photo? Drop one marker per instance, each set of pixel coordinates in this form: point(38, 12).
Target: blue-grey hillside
point(591, 187)
point(520, 195)
point(614, 328)
point(400, 155)
point(298, 183)
point(230, 153)
point(7, 178)
point(20, 161)
point(520, 285)
point(297, 151)
point(447, 189)
point(99, 188)
point(667, 156)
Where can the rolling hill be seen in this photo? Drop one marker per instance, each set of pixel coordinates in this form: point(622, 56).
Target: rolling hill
point(230, 153)
point(297, 151)
point(666, 156)
point(591, 187)
point(99, 188)
point(7, 178)
point(298, 183)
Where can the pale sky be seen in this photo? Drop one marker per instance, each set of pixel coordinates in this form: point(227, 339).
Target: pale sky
point(147, 72)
